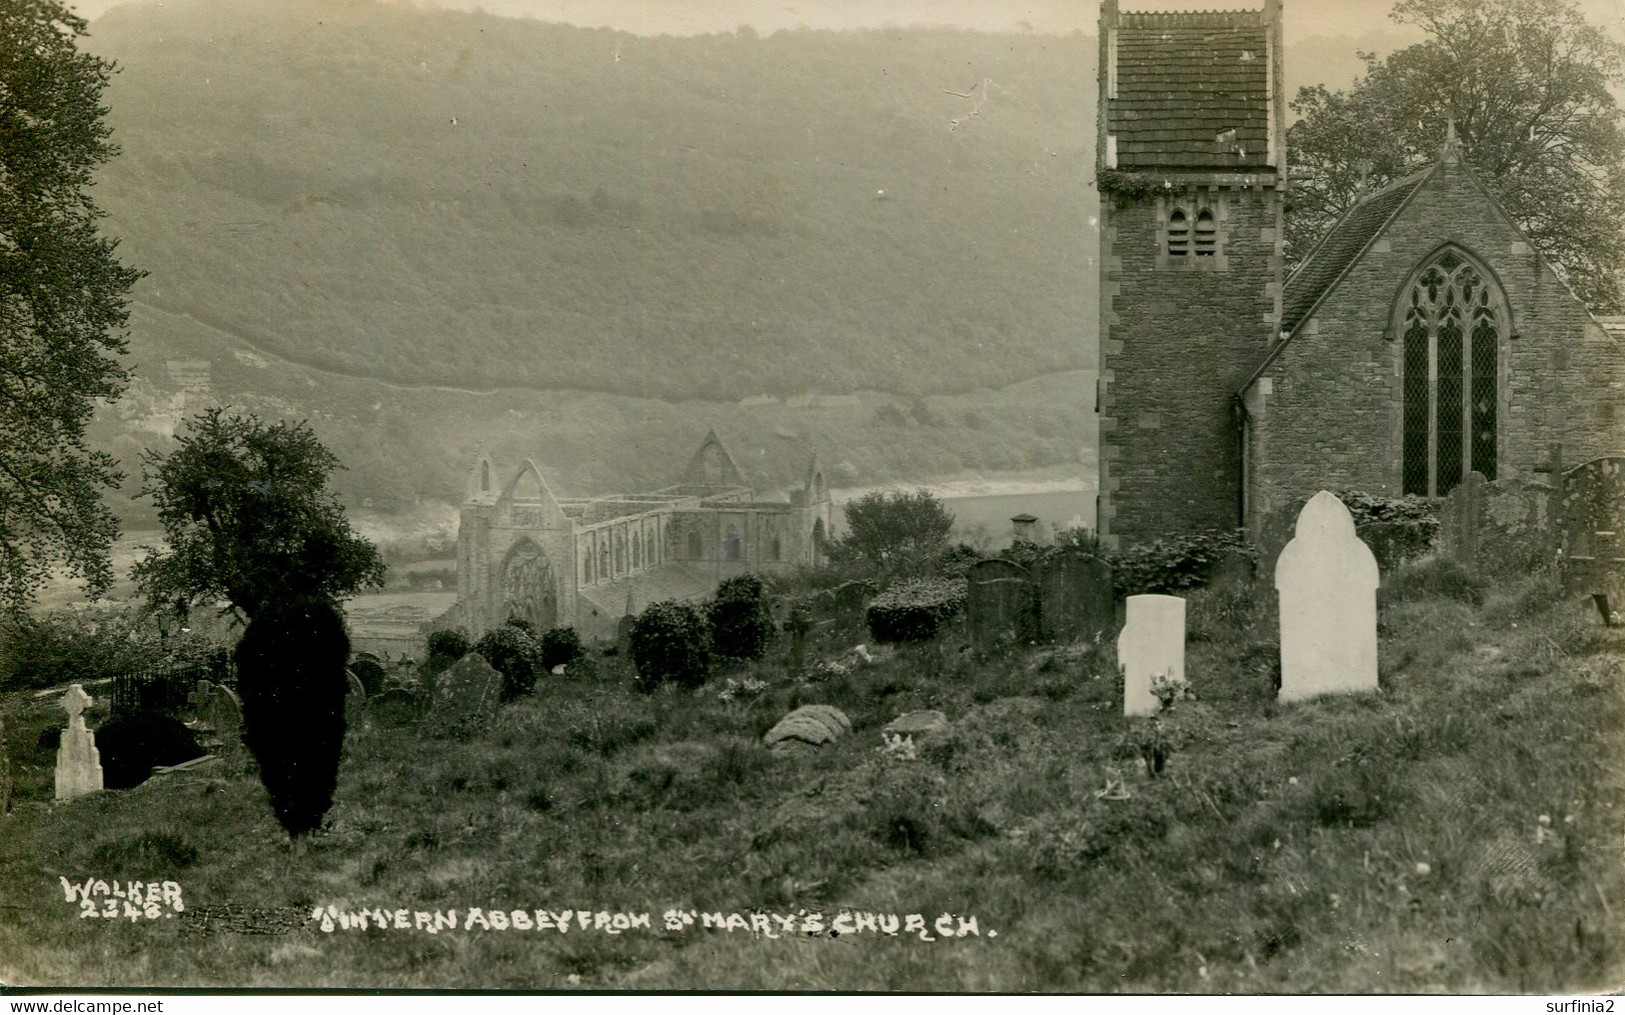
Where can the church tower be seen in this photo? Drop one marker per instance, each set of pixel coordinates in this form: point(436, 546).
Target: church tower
point(1190, 164)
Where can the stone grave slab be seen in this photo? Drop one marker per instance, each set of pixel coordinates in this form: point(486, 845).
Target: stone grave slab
point(1001, 603)
point(1593, 531)
point(1276, 531)
point(813, 725)
point(78, 762)
point(1519, 528)
point(465, 697)
point(1076, 600)
point(1460, 520)
point(355, 700)
point(1496, 528)
point(1151, 645)
point(396, 708)
point(218, 708)
point(5, 771)
point(1327, 580)
point(918, 723)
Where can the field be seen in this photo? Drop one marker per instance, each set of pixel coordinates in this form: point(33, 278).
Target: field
point(1461, 831)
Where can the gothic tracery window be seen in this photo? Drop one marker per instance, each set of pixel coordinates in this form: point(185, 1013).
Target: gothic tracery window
point(1453, 316)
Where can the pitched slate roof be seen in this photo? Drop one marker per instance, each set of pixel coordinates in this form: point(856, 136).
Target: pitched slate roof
point(1339, 248)
point(1184, 83)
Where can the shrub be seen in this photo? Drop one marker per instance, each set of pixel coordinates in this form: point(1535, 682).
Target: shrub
point(131, 745)
point(915, 610)
point(741, 621)
point(522, 624)
point(560, 646)
point(445, 648)
point(1173, 563)
point(1411, 523)
point(370, 673)
point(512, 653)
point(64, 649)
point(671, 642)
point(955, 561)
point(453, 644)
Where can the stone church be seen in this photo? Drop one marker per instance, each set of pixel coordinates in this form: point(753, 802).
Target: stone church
point(1422, 338)
point(585, 563)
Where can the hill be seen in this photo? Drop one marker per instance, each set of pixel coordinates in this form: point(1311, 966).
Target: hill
point(432, 197)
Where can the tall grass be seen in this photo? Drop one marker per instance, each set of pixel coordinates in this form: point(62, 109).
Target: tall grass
point(1459, 831)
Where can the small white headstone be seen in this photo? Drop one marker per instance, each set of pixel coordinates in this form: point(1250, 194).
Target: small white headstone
point(1152, 645)
point(78, 762)
point(1328, 580)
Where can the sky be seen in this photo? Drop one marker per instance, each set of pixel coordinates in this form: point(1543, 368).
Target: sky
point(1305, 19)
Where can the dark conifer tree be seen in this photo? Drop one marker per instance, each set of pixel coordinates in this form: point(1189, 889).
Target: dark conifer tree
point(290, 675)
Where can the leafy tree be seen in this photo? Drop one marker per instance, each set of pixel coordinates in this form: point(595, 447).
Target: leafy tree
point(62, 304)
point(247, 517)
point(893, 532)
point(1528, 85)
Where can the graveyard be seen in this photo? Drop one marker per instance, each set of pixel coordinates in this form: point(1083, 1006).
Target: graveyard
point(998, 807)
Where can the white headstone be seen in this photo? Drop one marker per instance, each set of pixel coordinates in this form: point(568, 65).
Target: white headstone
point(1152, 645)
point(78, 762)
point(1328, 580)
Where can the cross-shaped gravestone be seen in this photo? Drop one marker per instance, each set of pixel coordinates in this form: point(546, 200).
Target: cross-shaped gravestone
point(78, 762)
point(1151, 645)
point(1327, 580)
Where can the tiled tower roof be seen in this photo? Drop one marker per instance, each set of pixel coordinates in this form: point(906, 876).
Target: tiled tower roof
point(1193, 90)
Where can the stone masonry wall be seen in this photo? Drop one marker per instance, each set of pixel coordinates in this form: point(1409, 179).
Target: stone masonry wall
point(1327, 413)
point(1178, 338)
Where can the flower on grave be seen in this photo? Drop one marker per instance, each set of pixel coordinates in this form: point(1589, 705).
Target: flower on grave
point(1168, 689)
point(898, 747)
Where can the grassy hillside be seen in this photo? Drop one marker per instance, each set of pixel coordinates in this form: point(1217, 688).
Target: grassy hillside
point(1458, 832)
point(467, 200)
point(408, 445)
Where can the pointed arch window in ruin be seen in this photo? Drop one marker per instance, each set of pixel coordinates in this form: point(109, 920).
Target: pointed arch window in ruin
point(528, 588)
point(1452, 317)
point(732, 545)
